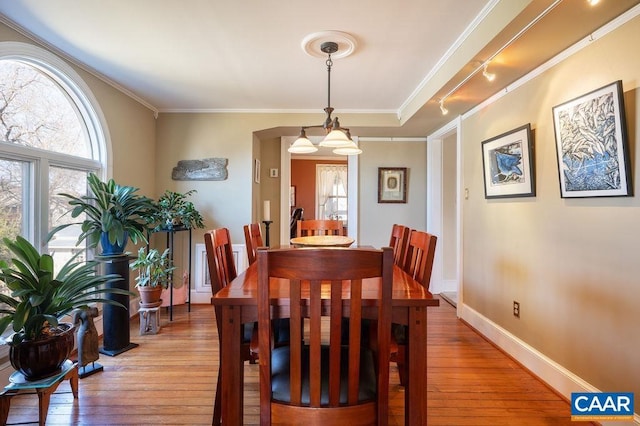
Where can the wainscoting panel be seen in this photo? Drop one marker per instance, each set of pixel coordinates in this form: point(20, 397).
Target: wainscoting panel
point(201, 291)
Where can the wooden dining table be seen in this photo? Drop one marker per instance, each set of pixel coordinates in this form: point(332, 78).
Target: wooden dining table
point(239, 306)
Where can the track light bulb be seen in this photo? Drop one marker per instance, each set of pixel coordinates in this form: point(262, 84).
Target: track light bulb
point(442, 108)
point(488, 75)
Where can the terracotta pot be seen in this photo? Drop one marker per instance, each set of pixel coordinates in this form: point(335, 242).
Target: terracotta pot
point(37, 359)
point(149, 296)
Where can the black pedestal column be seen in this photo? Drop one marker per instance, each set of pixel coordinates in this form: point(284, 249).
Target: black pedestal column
point(116, 319)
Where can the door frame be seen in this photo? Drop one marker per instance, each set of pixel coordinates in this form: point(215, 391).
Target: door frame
point(435, 207)
point(285, 184)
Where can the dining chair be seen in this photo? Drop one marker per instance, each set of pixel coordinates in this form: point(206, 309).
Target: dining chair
point(420, 252)
point(319, 227)
point(398, 242)
point(418, 262)
point(297, 214)
point(222, 271)
point(317, 380)
point(253, 240)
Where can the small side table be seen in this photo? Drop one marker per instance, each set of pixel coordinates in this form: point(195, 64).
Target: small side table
point(44, 388)
point(150, 318)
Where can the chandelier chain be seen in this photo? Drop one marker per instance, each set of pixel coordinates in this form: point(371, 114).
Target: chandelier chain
point(329, 63)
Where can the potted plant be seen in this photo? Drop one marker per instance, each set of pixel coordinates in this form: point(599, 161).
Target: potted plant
point(173, 210)
point(154, 274)
point(114, 213)
point(39, 299)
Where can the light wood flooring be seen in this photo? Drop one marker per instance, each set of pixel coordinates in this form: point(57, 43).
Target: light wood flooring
point(170, 380)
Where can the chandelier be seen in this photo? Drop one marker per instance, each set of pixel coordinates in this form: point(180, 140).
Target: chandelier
point(337, 137)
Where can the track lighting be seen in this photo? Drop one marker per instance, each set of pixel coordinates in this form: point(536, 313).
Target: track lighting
point(488, 75)
point(482, 66)
point(442, 108)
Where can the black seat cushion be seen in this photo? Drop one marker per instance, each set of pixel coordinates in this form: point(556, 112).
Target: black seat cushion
point(280, 375)
point(247, 332)
point(280, 331)
point(400, 333)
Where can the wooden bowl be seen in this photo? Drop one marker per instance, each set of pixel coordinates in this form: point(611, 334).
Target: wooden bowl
point(322, 241)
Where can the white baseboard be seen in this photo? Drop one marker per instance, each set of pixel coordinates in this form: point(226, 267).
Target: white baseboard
point(559, 378)
point(443, 286)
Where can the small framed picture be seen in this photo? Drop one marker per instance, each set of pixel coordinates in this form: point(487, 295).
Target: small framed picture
point(507, 163)
point(392, 184)
point(591, 145)
point(292, 196)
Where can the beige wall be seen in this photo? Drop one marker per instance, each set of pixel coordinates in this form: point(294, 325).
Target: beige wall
point(571, 263)
point(375, 219)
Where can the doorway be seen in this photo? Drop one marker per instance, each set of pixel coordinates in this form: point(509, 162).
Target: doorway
point(444, 181)
point(285, 186)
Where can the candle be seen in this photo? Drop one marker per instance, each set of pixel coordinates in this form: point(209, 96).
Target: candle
point(267, 210)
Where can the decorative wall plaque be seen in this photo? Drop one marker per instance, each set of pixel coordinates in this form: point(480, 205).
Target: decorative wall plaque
point(205, 169)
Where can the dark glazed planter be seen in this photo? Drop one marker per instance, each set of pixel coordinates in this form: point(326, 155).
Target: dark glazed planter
point(109, 249)
point(37, 359)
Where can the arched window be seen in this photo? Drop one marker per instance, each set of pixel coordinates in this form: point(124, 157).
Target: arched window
point(51, 136)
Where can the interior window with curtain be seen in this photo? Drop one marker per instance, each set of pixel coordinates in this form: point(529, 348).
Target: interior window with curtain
point(331, 192)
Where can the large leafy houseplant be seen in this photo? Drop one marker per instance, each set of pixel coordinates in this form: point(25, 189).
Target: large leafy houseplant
point(40, 298)
point(174, 210)
point(113, 212)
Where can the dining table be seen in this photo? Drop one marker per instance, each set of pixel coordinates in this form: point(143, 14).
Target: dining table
point(239, 305)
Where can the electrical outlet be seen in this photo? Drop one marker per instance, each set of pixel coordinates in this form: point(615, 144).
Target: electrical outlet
point(516, 309)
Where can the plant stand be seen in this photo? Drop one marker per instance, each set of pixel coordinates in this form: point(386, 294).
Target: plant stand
point(116, 320)
point(150, 319)
point(170, 245)
point(44, 388)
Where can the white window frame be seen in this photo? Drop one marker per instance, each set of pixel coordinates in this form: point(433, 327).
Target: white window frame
point(79, 93)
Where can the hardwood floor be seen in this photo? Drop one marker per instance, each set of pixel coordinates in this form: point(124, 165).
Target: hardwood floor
point(170, 379)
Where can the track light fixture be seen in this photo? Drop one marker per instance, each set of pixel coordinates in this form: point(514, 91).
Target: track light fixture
point(337, 137)
point(442, 108)
point(488, 75)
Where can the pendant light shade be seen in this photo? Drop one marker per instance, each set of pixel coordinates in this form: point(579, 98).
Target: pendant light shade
point(350, 149)
point(302, 145)
point(336, 139)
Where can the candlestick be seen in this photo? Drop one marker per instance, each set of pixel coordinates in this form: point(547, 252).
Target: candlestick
point(266, 211)
point(266, 231)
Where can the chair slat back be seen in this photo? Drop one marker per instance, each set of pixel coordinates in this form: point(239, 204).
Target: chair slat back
point(420, 252)
point(222, 268)
point(317, 280)
point(398, 242)
point(253, 240)
point(319, 227)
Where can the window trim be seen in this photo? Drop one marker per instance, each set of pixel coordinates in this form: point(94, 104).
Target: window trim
point(74, 86)
point(82, 99)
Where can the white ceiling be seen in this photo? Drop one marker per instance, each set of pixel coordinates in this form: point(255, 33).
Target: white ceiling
point(213, 55)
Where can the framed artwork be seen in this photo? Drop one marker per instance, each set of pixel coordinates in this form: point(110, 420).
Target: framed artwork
point(591, 145)
point(292, 196)
point(507, 163)
point(256, 171)
point(392, 184)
